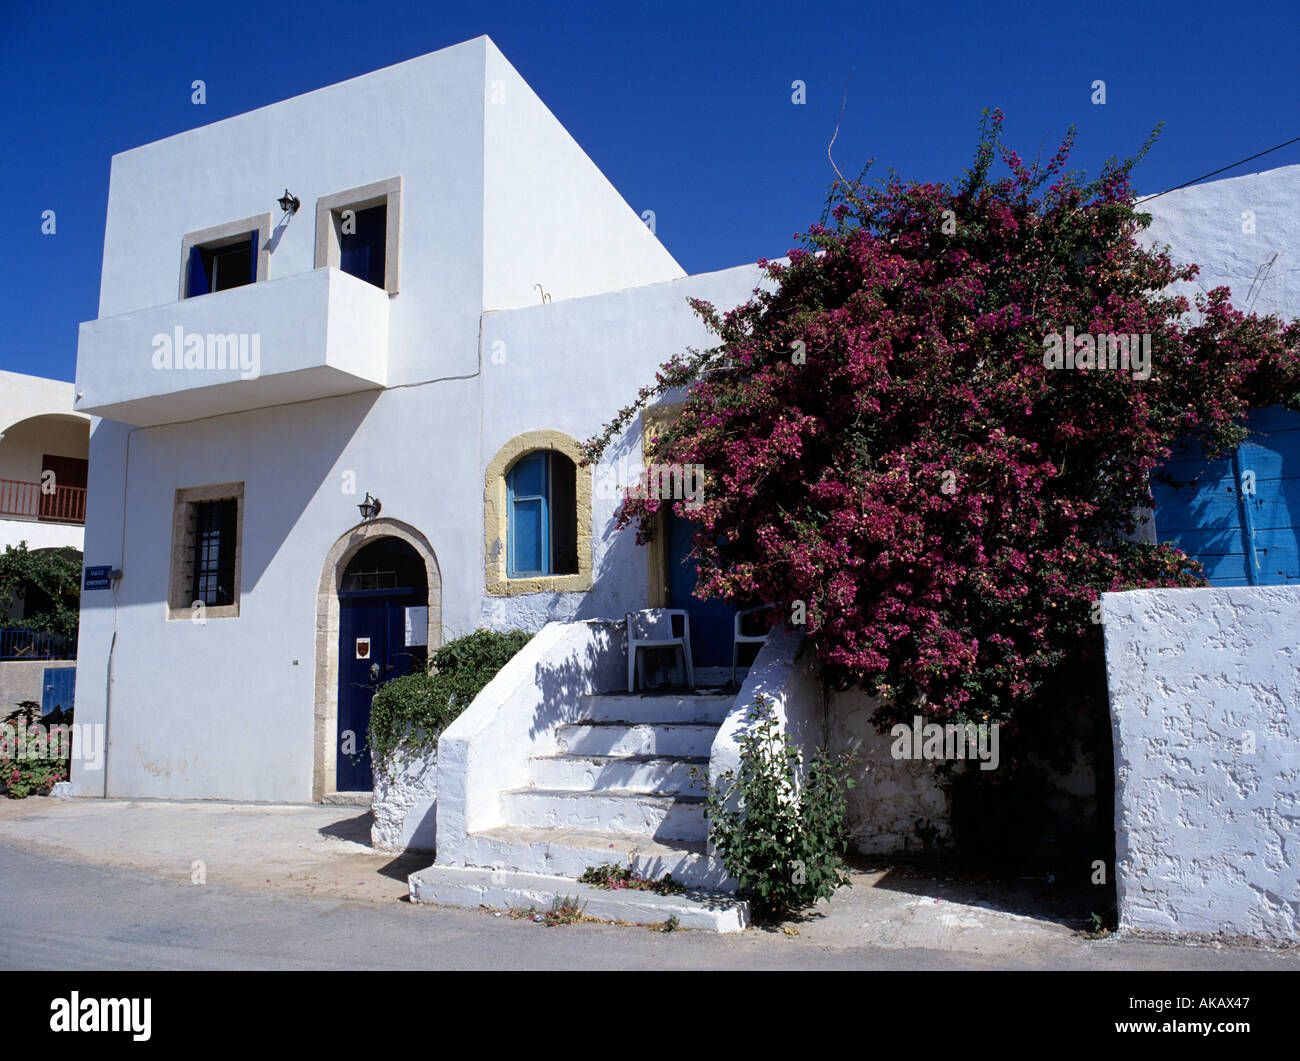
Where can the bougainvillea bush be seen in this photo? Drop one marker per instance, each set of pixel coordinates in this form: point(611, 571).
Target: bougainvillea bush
point(35, 752)
point(886, 445)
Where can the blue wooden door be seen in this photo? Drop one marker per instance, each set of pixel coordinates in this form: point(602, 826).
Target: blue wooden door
point(372, 651)
point(712, 621)
point(57, 689)
point(1238, 515)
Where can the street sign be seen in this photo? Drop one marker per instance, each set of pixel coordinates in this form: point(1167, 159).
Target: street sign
point(98, 577)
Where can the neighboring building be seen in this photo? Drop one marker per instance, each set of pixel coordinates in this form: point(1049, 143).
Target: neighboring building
point(42, 440)
point(43, 466)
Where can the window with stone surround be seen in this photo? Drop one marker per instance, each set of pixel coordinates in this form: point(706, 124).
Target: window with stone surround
point(207, 547)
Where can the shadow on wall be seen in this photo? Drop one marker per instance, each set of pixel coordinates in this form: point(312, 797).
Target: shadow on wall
point(564, 684)
point(281, 479)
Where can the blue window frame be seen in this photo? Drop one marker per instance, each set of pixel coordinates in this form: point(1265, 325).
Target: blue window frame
point(221, 267)
point(542, 516)
point(529, 547)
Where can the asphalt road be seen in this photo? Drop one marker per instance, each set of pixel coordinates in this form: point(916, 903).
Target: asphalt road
point(63, 914)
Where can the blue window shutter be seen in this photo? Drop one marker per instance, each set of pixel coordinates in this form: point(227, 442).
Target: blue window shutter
point(528, 537)
point(253, 266)
point(198, 283)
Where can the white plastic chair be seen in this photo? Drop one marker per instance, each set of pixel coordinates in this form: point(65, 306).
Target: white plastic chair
point(742, 638)
point(657, 628)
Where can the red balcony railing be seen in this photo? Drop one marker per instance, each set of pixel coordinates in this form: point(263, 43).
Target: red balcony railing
point(66, 504)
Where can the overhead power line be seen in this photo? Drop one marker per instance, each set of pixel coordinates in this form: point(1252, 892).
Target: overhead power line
point(1221, 169)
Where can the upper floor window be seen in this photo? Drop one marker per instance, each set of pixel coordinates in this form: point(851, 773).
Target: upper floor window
point(358, 232)
point(362, 236)
point(225, 257)
point(542, 515)
point(219, 267)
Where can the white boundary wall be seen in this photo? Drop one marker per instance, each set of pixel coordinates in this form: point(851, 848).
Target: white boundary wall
point(1205, 709)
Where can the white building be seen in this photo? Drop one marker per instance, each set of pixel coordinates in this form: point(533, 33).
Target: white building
point(43, 471)
point(450, 298)
point(459, 287)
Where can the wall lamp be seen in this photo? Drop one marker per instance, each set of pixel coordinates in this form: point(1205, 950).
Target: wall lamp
point(369, 507)
point(289, 203)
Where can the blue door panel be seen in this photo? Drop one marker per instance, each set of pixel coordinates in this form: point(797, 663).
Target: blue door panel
point(57, 689)
point(712, 621)
point(1238, 515)
point(381, 619)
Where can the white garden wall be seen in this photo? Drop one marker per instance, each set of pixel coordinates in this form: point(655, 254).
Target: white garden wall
point(892, 797)
point(1205, 708)
point(405, 801)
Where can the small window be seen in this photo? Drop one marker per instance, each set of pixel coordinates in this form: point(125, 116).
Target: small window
point(223, 266)
point(214, 552)
point(225, 256)
point(358, 232)
point(542, 514)
point(207, 532)
point(363, 235)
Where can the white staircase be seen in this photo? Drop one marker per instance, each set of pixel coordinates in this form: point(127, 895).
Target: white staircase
point(623, 784)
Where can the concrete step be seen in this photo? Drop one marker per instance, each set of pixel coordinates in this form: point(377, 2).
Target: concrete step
point(660, 815)
point(633, 773)
point(620, 738)
point(567, 852)
point(702, 709)
point(500, 890)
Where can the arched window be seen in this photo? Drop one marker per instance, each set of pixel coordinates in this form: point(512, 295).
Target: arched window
point(542, 516)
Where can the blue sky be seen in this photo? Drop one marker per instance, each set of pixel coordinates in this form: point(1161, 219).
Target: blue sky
point(686, 107)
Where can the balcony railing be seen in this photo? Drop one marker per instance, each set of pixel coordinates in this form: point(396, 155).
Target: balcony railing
point(66, 504)
point(36, 644)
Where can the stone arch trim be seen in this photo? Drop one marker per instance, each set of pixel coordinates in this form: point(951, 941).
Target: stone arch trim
point(495, 517)
point(327, 631)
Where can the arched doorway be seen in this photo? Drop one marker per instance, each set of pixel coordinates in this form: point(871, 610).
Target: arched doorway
point(379, 614)
point(383, 634)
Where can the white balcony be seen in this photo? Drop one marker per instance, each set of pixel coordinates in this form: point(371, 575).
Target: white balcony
point(312, 335)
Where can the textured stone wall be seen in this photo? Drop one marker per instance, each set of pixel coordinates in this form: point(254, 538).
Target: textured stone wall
point(405, 802)
point(1205, 709)
point(894, 800)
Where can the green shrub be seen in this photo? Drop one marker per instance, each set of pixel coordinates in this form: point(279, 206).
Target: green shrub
point(784, 843)
point(415, 709)
point(49, 580)
point(613, 877)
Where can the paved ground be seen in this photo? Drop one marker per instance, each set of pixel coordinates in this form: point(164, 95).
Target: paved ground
point(117, 884)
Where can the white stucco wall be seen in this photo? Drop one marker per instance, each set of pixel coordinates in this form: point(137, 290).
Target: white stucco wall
point(23, 396)
point(785, 674)
point(570, 366)
point(550, 217)
point(40, 535)
point(1243, 232)
point(1205, 710)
